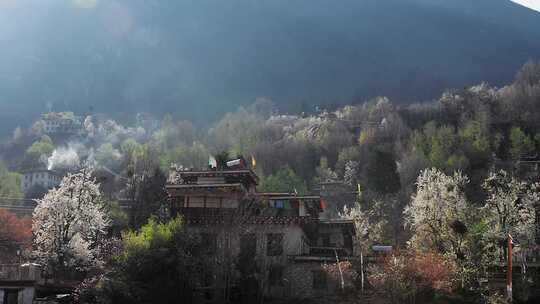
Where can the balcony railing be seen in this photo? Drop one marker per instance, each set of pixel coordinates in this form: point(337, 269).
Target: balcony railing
point(329, 251)
point(16, 272)
point(327, 254)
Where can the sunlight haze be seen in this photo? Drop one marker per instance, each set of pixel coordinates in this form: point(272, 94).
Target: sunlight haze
point(269, 151)
point(532, 4)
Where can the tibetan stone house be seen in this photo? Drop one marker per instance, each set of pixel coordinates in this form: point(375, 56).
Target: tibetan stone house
point(270, 245)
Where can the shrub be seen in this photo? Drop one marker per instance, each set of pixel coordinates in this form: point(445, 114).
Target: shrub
point(409, 275)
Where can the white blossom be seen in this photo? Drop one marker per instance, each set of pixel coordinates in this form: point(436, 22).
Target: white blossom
point(369, 224)
point(69, 223)
point(439, 203)
point(510, 206)
point(351, 172)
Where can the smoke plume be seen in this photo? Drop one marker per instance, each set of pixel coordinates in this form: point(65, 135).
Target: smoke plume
point(64, 158)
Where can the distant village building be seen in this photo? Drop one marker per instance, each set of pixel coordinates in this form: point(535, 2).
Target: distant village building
point(62, 123)
point(46, 179)
point(24, 284)
point(280, 246)
point(18, 283)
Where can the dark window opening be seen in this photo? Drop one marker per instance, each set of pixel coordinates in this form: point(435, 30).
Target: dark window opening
point(274, 244)
point(348, 241)
point(208, 244)
point(208, 281)
point(319, 279)
point(325, 240)
point(275, 276)
point(248, 245)
point(177, 203)
point(248, 252)
point(11, 296)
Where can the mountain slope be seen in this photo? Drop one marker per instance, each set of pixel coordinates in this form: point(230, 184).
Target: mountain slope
point(200, 58)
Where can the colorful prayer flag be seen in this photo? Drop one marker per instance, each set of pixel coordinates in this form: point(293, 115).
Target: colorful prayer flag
point(287, 205)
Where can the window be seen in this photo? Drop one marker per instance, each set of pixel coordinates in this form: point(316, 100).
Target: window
point(324, 240)
point(319, 279)
point(274, 244)
point(248, 245)
point(348, 241)
point(275, 276)
point(176, 204)
point(208, 242)
point(11, 296)
point(208, 281)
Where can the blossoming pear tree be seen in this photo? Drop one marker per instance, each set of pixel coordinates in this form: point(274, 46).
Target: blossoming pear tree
point(69, 224)
point(439, 211)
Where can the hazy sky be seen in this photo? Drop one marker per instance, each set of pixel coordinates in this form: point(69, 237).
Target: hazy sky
point(533, 4)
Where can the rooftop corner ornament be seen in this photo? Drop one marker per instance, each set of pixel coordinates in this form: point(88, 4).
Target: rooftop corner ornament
point(174, 176)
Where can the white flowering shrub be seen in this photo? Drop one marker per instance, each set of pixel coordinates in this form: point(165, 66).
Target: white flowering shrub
point(69, 223)
point(439, 212)
point(370, 225)
point(510, 208)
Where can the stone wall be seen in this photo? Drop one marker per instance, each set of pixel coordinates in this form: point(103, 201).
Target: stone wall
point(296, 276)
point(298, 282)
point(228, 247)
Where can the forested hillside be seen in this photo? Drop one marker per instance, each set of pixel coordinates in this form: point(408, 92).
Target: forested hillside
point(444, 181)
point(378, 144)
